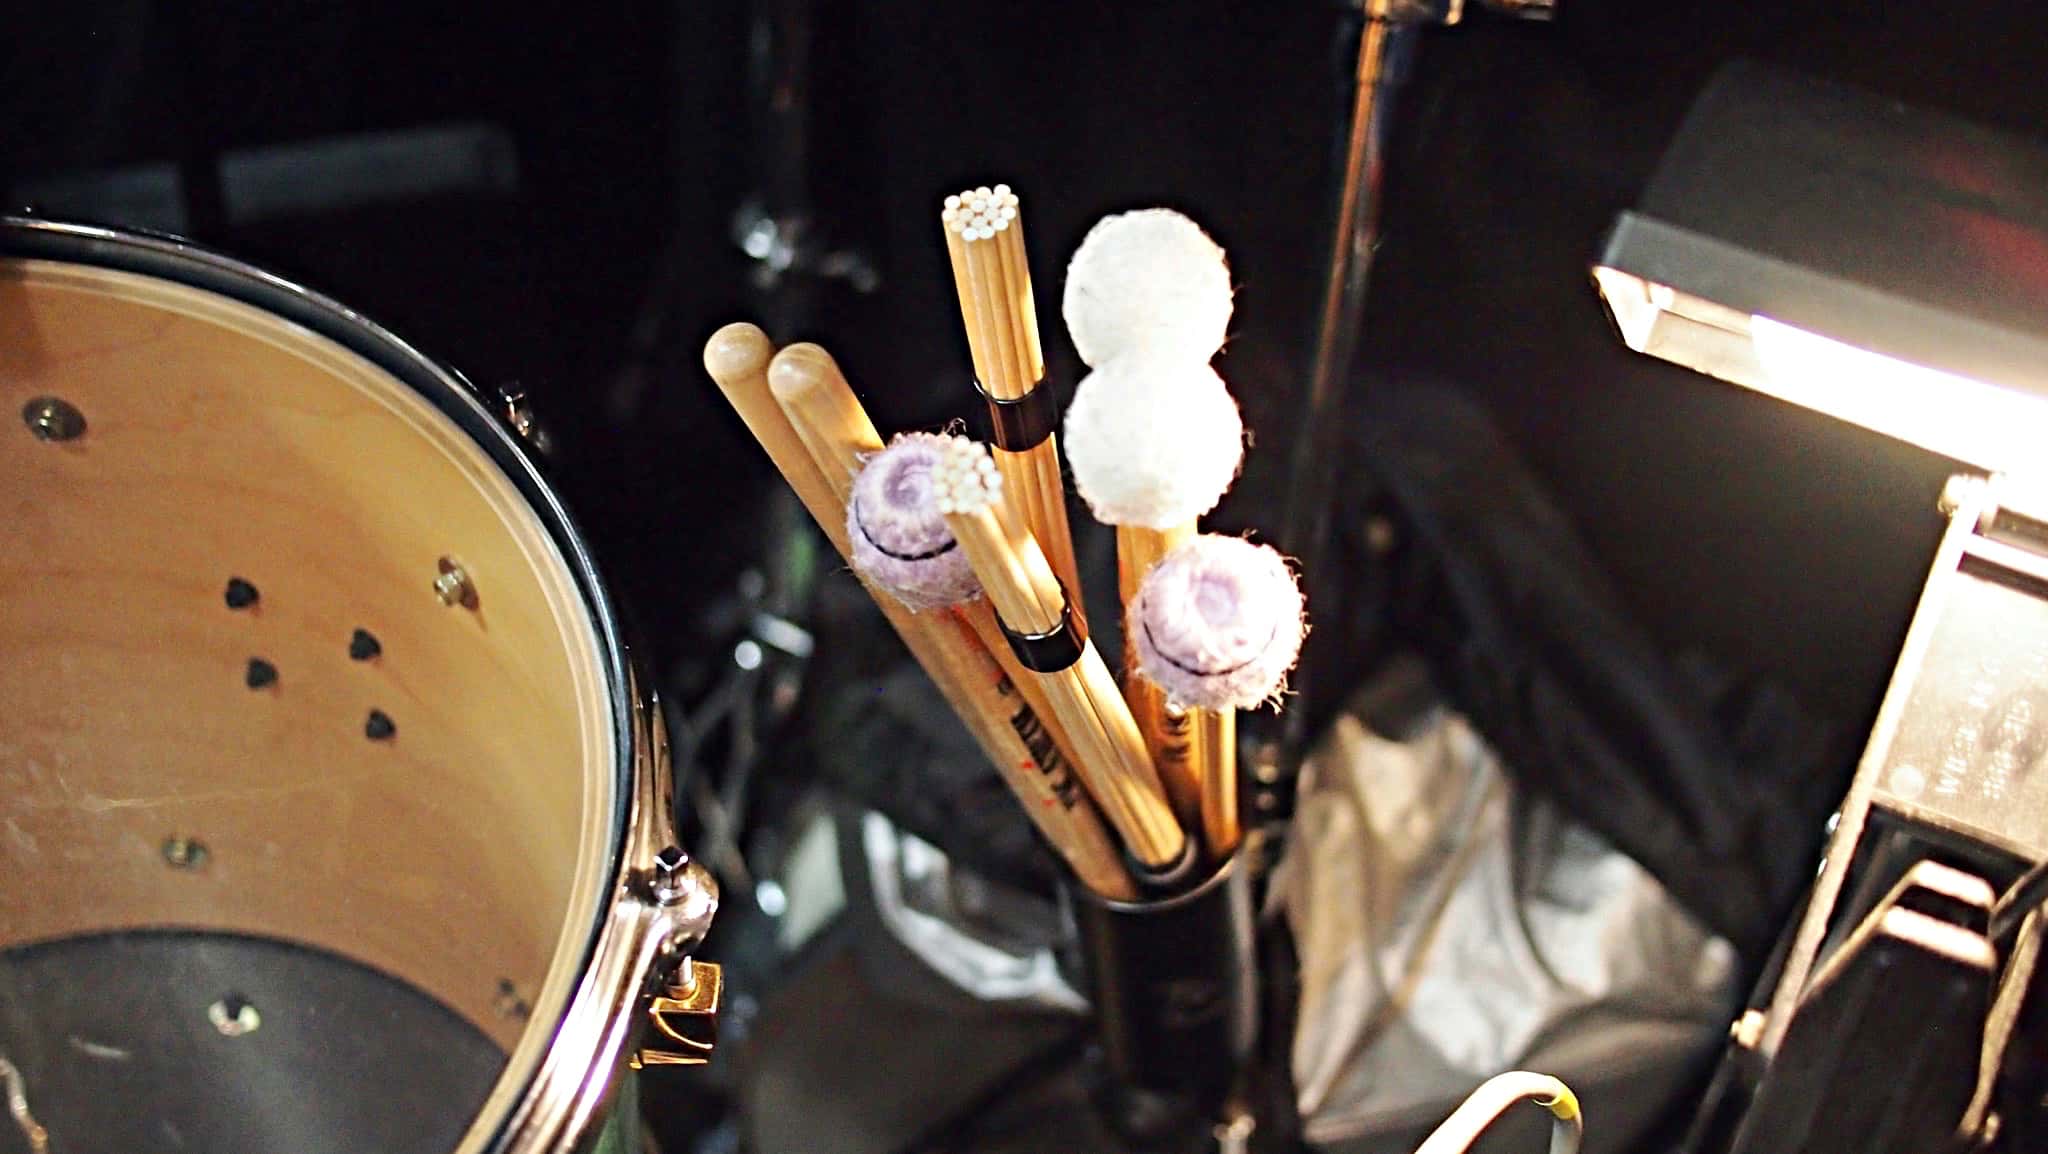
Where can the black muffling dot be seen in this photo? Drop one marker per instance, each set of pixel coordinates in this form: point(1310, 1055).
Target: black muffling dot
point(379, 727)
point(240, 594)
point(261, 673)
point(363, 645)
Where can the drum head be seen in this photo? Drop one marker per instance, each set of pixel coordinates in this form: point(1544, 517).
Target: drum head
point(314, 755)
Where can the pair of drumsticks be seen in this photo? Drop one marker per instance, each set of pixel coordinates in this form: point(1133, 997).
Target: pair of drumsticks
point(969, 557)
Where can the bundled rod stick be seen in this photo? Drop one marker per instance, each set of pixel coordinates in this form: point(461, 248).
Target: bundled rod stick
point(980, 618)
point(992, 275)
point(1036, 771)
point(821, 407)
point(738, 358)
point(977, 349)
point(1043, 630)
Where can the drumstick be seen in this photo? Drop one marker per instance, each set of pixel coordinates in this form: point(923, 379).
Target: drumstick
point(828, 419)
point(1047, 636)
point(738, 357)
point(992, 277)
point(822, 408)
point(1217, 625)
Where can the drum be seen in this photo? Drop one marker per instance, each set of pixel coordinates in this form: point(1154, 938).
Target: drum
point(331, 814)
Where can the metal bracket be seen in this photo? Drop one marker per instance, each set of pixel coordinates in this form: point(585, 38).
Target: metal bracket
point(784, 243)
point(517, 412)
point(683, 1018)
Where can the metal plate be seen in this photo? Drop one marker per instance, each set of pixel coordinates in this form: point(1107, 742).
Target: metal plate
point(1973, 736)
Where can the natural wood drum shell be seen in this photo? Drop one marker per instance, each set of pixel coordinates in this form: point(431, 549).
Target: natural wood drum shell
point(458, 854)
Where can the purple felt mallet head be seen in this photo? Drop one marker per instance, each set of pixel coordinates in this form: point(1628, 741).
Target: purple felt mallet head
point(900, 540)
point(1218, 623)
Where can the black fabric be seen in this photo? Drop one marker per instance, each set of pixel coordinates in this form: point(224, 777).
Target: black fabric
point(1719, 786)
point(893, 744)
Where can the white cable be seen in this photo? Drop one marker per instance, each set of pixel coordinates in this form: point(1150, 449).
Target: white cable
point(1492, 1099)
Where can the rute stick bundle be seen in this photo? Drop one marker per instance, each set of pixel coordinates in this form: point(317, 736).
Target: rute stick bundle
point(1038, 617)
point(985, 241)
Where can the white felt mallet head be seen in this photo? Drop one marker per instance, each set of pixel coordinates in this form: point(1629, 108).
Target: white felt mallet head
point(1149, 281)
point(1153, 440)
point(898, 533)
point(1218, 623)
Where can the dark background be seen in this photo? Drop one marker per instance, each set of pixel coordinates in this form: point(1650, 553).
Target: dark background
point(1774, 540)
point(1776, 544)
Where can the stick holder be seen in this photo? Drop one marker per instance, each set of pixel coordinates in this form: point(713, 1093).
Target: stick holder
point(1175, 984)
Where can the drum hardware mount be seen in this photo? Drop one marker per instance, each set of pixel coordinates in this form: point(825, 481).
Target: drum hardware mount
point(683, 1015)
point(453, 585)
point(1388, 34)
point(53, 419)
point(687, 893)
point(234, 1015)
point(784, 243)
point(519, 417)
point(185, 853)
point(760, 683)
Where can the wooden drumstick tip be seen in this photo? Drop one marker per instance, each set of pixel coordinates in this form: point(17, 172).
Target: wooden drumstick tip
point(737, 351)
point(800, 367)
